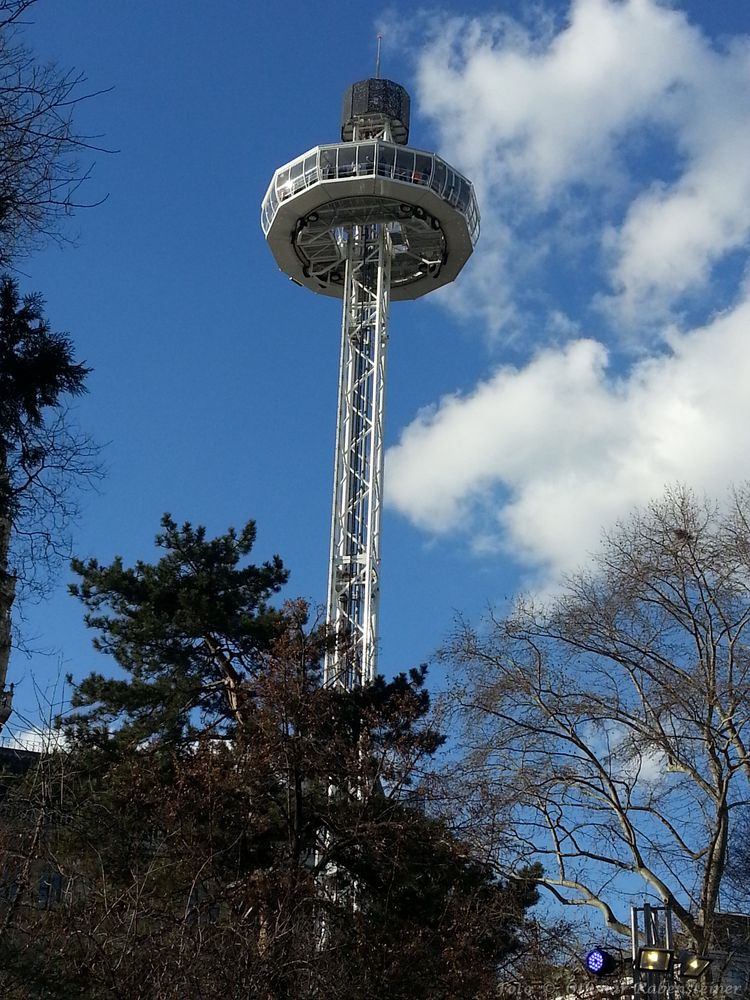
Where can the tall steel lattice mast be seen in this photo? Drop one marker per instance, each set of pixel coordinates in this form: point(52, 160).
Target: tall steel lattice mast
point(366, 220)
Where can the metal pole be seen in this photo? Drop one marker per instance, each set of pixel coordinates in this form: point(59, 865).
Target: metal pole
point(669, 942)
point(652, 938)
point(354, 560)
point(652, 983)
point(634, 951)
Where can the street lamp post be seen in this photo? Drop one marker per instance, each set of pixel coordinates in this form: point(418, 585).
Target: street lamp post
point(652, 951)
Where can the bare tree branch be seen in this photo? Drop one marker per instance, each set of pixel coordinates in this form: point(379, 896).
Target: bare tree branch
point(617, 716)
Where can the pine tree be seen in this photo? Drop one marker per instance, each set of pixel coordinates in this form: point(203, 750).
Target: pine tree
point(188, 630)
point(209, 832)
point(38, 455)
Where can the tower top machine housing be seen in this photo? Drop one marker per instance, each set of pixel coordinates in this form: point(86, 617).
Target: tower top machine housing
point(367, 220)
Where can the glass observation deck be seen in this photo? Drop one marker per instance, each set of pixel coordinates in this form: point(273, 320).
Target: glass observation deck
point(349, 160)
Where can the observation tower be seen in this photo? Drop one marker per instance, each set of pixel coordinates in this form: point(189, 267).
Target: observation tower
point(367, 220)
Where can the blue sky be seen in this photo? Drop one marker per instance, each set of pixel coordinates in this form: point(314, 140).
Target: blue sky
point(594, 350)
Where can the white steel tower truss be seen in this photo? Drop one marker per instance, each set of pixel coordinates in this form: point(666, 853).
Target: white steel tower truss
point(354, 565)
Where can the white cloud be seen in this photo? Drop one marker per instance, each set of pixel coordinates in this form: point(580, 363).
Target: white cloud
point(542, 119)
point(672, 236)
point(545, 456)
point(548, 111)
point(625, 756)
point(611, 154)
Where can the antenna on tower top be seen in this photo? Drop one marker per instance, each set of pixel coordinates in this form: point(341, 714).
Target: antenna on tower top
point(377, 59)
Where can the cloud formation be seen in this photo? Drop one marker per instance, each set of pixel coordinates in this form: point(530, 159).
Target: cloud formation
point(611, 154)
point(626, 115)
point(540, 459)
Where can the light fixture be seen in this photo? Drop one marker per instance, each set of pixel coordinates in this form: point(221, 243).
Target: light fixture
point(692, 966)
point(653, 959)
point(600, 963)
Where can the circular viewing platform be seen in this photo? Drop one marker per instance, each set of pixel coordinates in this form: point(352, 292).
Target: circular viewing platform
point(313, 203)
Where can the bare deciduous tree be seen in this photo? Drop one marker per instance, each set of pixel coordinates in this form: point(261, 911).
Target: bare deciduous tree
point(40, 170)
point(607, 730)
